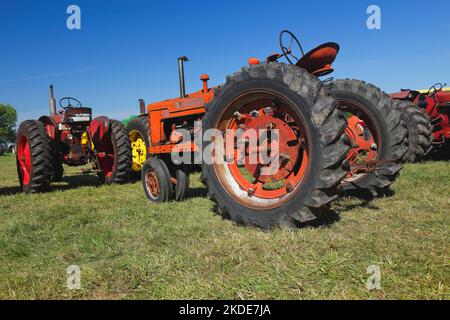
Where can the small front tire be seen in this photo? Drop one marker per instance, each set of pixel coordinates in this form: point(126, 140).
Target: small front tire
point(156, 180)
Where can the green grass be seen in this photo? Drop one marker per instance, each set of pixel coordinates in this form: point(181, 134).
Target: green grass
point(127, 248)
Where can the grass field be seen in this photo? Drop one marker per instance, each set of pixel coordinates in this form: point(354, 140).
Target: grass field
point(127, 248)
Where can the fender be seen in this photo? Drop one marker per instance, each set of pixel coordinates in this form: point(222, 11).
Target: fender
point(51, 125)
point(405, 95)
point(99, 129)
point(443, 98)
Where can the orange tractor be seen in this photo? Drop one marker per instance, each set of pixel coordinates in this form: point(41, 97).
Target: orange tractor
point(70, 136)
point(325, 137)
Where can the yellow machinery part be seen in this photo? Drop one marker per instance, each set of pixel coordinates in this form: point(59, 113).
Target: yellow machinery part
point(138, 150)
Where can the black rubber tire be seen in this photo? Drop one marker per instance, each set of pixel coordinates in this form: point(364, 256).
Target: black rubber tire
point(328, 146)
point(163, 176)
point(182, 187)
point(420, 131)
point(392, 131)
point(122, 151)
point(141, 125)
point(58, 170)
point(41, 156)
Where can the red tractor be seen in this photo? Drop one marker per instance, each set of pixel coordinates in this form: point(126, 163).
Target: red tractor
point(72, 137)
point(330, 136)
point(427, 116)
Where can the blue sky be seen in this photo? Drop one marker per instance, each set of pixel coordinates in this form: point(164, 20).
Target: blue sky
point(127, 50)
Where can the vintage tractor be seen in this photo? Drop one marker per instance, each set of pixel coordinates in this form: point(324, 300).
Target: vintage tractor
point(261, 108)
point(427, 116)
point(72, 137)
point(328, 136)
point(317, 140)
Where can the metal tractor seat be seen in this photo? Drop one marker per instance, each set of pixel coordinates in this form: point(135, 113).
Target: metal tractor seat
point(319, 60)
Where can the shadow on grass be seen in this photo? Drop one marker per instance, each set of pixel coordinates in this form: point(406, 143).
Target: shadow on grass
point(67, 183)
point(76, 181)
point(343, 206)
point(328, 216)
point(9, 191)
point(197, 193)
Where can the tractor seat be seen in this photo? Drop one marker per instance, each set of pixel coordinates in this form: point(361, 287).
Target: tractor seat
point(77, 115)
point(318, 61)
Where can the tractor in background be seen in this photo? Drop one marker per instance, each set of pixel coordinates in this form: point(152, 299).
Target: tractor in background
point(427, 116)
point(71, 137)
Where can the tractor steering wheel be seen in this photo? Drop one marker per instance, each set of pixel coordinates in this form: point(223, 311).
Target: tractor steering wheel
point(69, 103)
point(288, 51)
point(435, 88)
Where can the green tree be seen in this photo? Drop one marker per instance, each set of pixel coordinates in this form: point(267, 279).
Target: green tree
point(8, 118)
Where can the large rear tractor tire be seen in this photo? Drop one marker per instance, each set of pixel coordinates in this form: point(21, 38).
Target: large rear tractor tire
point(116, 166)
point(312, 147)
point(377, 135)
point(420, 131)
point(138, 131)
point(33, 157)
point(58, 170)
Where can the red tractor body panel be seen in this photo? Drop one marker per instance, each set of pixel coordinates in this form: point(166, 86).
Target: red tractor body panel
point(166, 116)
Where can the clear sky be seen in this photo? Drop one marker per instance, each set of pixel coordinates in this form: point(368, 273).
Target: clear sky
point(127, 50)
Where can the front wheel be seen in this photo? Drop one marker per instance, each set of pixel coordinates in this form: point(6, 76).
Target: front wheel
point(34, 157)
point(156, 180)
point(274, 107)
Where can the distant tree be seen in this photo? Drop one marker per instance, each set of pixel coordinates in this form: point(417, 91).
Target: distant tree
point(8, 118)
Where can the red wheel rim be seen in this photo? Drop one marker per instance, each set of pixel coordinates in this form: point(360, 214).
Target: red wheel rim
point(24, 159)
point(364, 136)
point(257, 111)
point(151, 182)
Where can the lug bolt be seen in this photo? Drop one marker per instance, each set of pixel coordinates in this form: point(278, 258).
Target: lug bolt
point(250, 192)
point(289, 188)
point(374, 146)
point(271, 126)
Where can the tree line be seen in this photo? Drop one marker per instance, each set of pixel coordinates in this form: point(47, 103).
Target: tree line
point(8, 118)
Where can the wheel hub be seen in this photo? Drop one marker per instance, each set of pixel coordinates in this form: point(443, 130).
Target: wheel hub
point(274, 159)
point(24, 158)
point(152, 183)
point(138, 150)
point(288, 152)
point(364, 148)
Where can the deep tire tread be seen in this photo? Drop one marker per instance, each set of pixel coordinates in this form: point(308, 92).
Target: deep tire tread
point(328, 121)
point(41, 156)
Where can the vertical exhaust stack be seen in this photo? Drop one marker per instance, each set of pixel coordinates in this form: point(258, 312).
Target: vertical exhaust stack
point(52, 102)
point(142, 106)
point(181, 61)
